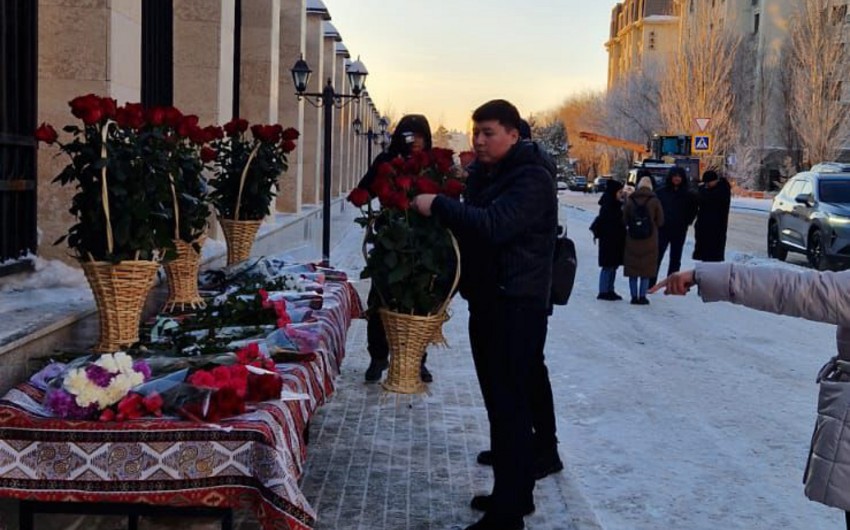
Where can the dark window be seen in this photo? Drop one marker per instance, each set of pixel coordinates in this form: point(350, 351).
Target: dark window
point(756, 23)
point(18, 113)
point(157, 52)
point(834, 191)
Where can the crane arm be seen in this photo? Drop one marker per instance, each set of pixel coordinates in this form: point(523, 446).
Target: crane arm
point(614, 142)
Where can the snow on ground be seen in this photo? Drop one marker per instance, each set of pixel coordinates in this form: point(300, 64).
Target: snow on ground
point(681, 414)
point(748, 203)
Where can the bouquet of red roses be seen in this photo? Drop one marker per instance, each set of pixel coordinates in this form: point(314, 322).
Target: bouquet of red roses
point(412, 259)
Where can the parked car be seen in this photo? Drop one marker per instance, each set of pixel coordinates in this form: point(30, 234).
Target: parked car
point(562, 185)
point(811, 215)
point(599, 183)
point(579, 183)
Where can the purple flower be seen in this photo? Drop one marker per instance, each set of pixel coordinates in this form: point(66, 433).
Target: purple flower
point(99, 375)
point(47, 374)
point(64, 405)
point(143, 368)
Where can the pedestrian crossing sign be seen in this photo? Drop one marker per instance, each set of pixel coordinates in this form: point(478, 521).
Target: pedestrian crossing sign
point(701, 144)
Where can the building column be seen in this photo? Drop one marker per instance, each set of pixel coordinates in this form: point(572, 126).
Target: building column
point(311, 139)
point(260, 60)
point(331, 37)
point(293, 25)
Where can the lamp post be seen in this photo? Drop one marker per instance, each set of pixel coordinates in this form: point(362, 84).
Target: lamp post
point(371, 136)
point(328, 99)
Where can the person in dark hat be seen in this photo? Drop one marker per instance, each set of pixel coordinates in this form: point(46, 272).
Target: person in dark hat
point(608, 228)
point(411, 134)
point(714, 198)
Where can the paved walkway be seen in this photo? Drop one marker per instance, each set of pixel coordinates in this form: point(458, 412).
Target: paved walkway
point(386, 461)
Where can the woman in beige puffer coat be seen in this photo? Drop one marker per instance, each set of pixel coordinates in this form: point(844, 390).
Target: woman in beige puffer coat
point(818, 296)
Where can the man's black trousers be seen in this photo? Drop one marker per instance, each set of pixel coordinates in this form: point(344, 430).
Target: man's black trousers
point(507, 338)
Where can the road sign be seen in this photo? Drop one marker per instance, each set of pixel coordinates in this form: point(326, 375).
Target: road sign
point(701, 144)
point(702, 123)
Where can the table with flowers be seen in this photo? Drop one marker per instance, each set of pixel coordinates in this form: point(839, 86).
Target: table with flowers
point(138, 452)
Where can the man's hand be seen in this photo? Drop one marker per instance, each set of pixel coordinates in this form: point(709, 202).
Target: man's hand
point(677, 283)
point(422, 203)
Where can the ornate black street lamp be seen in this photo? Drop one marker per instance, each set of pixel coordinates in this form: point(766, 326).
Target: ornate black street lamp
point(371, 136)
point(328, 99)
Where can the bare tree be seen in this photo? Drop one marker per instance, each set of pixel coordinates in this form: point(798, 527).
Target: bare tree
point(818, 62)
point(632, 105)
point(699, 80)
point(584, 112)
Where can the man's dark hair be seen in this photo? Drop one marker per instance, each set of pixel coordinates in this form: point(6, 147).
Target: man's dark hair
point(524, 130)
point(499, 110)
point(677, 171)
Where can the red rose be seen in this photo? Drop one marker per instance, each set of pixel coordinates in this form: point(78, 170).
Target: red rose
point(444, 165)
point(386, 170)
point(130, 407)
point(264, 387)
point(290, 133)
point(466, 158)
point(287, 146)
point(207, 154)
point(426, 185)
point(213, 133)
point(453, 188)
point(236, 126)
point(46, 133)
point(398, 163)
point(404, 182)
point(203, 379)
point(400, 200)
point(267, 133)
point(108, 106)
point(153, 404)
point(156, 116)
point(130, 116)
point(381, 186)
point(172, 116)
point(198, 136)
point(187, 125)
point(107, 415)
point(82, 106)
point(412, 165)
point(358, 197)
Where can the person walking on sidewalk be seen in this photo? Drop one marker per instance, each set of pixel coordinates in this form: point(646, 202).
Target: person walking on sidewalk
point(715, 197)
point(680, 209)
point(813, 295)
point(643, 216)
point(506, 229)
point(412, 134)
point(608, 228)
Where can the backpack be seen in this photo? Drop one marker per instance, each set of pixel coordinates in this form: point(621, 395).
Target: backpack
point(563, 269)
point(639, 225)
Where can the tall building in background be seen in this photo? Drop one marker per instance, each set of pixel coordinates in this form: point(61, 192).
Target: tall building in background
point(642, 31)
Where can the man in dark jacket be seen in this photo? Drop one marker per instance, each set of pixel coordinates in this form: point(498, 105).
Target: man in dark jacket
point(680, 207)
point(715, 197)
point(506, 229)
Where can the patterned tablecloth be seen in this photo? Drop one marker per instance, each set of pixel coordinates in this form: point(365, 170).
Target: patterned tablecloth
point(252, 461)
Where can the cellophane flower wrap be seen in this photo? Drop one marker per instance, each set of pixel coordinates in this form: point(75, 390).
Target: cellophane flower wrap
point(90, 385)
point(411, 259)
point(264, 153)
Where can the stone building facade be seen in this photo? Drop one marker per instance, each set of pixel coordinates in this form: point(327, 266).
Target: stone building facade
point(218, 59)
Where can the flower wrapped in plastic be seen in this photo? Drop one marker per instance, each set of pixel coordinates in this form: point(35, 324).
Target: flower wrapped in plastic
point(89, 385)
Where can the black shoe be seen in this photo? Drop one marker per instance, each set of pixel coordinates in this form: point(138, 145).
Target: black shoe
point(635, 300)
point(425, 374)
point(485, 458)
point(376, 368)
point(643, 300)
point(605, 296)
point(615, 296)
point(547, 465)
point(497, 522)
point(482, 503)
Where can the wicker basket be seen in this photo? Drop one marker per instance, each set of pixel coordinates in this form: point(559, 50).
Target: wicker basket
point(240, 238)
point(409, 335)
point(182, 274)
point(120, 290)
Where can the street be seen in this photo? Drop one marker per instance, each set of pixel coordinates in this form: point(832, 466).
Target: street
point(685, 415)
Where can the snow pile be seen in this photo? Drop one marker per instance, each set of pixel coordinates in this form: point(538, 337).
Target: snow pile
point(213, 248)
point(49, 274)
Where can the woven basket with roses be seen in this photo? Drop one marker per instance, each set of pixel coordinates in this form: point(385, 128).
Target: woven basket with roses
point(413, 260)
point(246, 180)
point(126, 202)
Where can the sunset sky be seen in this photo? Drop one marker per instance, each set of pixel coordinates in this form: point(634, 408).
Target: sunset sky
point(443, 58)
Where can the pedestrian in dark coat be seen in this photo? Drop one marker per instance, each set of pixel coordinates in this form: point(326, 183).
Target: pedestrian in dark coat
point(715, 197)
point(610, 231)
point(411, 134)
point(506, 229)
point(641, 255)
point(680, 209)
